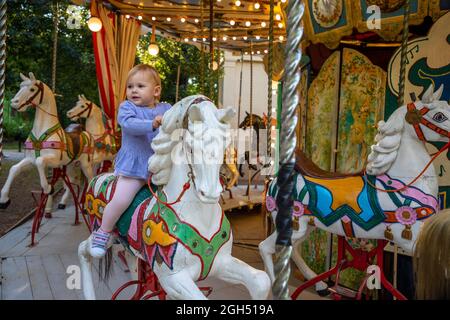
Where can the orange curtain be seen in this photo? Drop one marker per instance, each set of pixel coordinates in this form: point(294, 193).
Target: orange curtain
point(115, 51)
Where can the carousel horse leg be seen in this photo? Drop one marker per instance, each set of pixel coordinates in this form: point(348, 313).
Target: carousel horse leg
point(179, 286)
point(41, 164)
point(235, 271)
point(86, 269)
point(71, 174)
point(266, 250)
point(13, 172)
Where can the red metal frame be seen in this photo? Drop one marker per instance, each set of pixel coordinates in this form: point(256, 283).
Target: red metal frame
point(40, 209)
point(361, 261)
point(148, 282)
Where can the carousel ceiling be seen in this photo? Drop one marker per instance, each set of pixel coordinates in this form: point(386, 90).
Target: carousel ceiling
point(236, 24)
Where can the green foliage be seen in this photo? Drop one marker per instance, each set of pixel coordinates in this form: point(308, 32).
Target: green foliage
point(15, 124)
point(30, 49)
point(173, 54)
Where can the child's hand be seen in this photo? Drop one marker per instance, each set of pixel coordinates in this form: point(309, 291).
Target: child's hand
point(157, 122)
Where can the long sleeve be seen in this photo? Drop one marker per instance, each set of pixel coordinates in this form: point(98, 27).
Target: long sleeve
point(130, 123)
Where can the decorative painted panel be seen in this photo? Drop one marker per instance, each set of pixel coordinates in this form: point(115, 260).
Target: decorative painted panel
point(322, 108)
point(361, 106)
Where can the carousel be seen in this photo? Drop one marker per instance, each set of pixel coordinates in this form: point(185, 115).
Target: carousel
point(340, 155)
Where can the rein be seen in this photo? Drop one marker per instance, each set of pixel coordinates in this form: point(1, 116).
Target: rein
point(30, 101)
point(89, 108)
point(186, 186)
point(415, 118)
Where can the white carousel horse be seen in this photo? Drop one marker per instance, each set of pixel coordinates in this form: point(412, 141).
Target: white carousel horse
point(350, 205)
point(48, 145)
point(189, 239)
point(105, 142)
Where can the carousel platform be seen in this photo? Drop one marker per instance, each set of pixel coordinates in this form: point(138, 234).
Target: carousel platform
point(42, 272)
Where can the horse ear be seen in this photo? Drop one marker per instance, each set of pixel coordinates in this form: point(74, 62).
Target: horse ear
point(427, 97)
point(225, 115)
point(83, 97)
point(195, 113)
point(79, 97)
point(32, 76)
point(437, 95)
point(247, 113)
point(23, 77)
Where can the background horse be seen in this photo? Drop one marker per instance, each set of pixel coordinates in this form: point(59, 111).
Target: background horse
point(181, 232)
point(255, 122)
point(48, 145)
point(106, 144)
point(389, 201)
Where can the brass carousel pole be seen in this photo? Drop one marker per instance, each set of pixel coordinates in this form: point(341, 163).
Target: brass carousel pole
point(249, 202)
point(211, 49)
point(2, 70)
point(285, 181)
point(202, 54)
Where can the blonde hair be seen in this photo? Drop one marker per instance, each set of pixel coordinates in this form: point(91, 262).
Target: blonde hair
point(432, 258)
point(154, 75)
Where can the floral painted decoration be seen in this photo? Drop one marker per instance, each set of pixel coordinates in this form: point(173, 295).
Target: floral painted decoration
point(406, 215)
point(298, 209)
point(270, 203)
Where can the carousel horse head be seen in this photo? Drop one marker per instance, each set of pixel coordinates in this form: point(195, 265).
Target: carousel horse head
point(428, 120)
point(252, 121)
point(194, 134)
point(31, 93)
point(82, 109)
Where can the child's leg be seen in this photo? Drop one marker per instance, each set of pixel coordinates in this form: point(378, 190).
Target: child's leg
point(126, 190)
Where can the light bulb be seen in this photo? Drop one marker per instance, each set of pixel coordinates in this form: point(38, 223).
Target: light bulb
point(263, 24)
point(194, 39)
point(183, 20)
point(139, 17)
point(153, 49)
point(232, 22)
point(169, 19)
point(258, 52)
point(256, 6)
point(237, 3)
point(127, 16)
point(278, 17)
point(280, 25)
point(248, 23)
point(94, 24)
point(186, 39)
point(234, 38)
point(245, 38)
point(153, 18)
point(224, 38)
point(281, 38)
point(257, 37)
point(215, 65)
point(265, 51)
point(196, 20)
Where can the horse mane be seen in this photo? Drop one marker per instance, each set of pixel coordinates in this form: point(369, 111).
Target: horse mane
point(160, 163)
point(388, 139)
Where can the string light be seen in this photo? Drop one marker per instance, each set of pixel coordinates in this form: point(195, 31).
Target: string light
point(283, 1)
point(244, 37)
point(257, 37)
point(278, 17)
point(263, 24)
point(224, 38)
point(186, 39)
point(153, 18)
point(265, 51)
point(246, 52)
point(256, 6)
point(196, 20)
point(234, 38)
point(194, 39)
point(248, 23)
point(281, 38)
point(139, 17)
point(258, 52)
point(95, 24)
point(168, 19)
point(214, 39)
point(204, 39)
point(280, 25)
point(232, 22)
point(237, 3)
point(183, 20)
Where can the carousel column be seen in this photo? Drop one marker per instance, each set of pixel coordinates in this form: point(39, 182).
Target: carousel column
point(2, 69)
point(285, 183)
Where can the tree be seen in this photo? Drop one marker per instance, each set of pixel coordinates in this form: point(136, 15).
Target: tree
point(30, 49)
point(173, 54)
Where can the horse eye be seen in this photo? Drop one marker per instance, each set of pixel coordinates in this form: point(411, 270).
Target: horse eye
point(439, 117)
point(32, 89)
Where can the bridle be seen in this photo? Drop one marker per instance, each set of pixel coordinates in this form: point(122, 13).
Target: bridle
point(415, 118)
point(190, 174)
point(30, 101)
point(88, 108)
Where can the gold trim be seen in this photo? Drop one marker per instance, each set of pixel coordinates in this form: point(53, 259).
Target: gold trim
point(434, 9)
point(392, 26)
point(329, 38)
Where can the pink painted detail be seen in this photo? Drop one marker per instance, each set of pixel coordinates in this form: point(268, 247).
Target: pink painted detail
point(45, 145)
point(132, 232)
point(270, 203)
point(346, 219)
point(298, 209)
point(411, 192)
point(406, 215)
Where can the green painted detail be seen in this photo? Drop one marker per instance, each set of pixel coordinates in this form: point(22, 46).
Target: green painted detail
point(42, 138)
point(190, 238)
point(123, 225)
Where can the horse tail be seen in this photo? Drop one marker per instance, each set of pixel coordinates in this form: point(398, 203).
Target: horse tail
point(105, 266)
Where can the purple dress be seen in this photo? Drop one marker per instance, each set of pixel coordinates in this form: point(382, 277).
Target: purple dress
point(137, 135)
